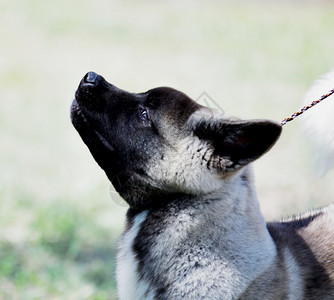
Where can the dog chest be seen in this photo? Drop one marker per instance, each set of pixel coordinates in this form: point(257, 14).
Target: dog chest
point(178, 254)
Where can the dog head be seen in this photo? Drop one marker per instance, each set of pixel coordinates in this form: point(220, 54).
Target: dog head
point(159, 144)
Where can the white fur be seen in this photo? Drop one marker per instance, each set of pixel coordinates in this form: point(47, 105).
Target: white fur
point(128, 283)
point(189, 172)
point(319, 122)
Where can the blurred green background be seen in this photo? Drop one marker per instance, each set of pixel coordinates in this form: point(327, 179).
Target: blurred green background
point(59, 224)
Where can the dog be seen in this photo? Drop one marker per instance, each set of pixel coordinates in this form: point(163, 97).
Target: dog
point(194, 229)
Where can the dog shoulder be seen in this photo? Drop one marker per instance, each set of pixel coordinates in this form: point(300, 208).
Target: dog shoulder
point(319, 236)
point(309, 239)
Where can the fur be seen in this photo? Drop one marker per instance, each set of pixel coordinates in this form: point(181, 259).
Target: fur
point(318, 122)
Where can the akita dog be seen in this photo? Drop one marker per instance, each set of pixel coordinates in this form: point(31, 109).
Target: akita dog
point(194, 229)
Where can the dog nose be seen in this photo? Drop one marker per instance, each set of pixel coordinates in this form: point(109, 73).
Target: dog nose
point(91, 77)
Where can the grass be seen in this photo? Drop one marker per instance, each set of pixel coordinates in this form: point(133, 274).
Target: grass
point(58, 223)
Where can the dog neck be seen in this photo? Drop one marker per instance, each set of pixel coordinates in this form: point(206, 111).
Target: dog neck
point(235, 196)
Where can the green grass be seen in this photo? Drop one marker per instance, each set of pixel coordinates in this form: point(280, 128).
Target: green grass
point(58, 224)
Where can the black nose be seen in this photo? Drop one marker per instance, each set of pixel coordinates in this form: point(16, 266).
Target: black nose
point(91, 77)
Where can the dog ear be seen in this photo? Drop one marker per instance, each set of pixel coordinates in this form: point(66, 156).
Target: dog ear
point(237, 143)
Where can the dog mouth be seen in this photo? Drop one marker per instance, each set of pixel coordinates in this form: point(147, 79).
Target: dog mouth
point(83, 126)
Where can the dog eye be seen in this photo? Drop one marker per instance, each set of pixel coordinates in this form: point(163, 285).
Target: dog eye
point(143, 113)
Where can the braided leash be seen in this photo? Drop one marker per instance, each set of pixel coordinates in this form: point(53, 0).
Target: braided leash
point(305, 108)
